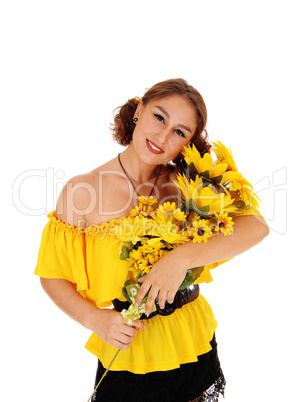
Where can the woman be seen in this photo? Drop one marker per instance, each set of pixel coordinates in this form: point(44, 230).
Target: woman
point(163, 358)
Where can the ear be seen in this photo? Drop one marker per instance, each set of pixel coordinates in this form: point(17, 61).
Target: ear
point(139, 109)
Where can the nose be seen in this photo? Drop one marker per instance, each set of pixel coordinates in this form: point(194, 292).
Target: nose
point(162, 136)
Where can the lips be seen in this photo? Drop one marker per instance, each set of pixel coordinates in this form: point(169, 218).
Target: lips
point(153, 147)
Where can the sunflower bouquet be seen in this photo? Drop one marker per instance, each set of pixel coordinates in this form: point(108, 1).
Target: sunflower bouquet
point(212, 193)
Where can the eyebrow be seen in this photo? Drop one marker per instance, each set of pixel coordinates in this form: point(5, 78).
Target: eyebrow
point(167, 115)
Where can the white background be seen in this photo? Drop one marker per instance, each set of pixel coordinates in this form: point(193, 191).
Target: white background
point(65, 65)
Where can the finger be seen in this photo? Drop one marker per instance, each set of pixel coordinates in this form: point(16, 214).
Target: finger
point(121, 345)
point(138, 324)
point(150, 300)
point(128, 331)
point(125, 339)
point(141, 294)
point(170, 296)
point(162, 298)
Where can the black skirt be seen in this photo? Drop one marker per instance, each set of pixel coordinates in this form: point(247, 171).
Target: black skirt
point(202, 381)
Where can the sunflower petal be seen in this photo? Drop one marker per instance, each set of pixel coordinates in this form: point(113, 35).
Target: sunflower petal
point(218, 170)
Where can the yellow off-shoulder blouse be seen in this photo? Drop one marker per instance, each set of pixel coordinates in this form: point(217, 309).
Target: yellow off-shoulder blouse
point(89, 258)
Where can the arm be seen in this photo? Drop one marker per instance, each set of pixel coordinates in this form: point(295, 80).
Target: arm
point(108, 324)
point(169, 272)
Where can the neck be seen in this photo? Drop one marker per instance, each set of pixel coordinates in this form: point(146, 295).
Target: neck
point(138, 170)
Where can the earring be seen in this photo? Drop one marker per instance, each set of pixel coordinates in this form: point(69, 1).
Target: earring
point(135, 120)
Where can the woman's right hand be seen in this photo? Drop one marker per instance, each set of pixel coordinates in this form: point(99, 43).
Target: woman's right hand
point(112, 328)
point(108, 324)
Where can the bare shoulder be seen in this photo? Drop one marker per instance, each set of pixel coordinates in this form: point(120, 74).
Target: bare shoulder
point(80, 195)
point(74, 198)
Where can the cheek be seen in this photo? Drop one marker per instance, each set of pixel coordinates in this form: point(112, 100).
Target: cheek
point(148, 125)
point(177, 144)
point(144, 127)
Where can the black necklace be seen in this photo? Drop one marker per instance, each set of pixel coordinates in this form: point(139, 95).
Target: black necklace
point(124, 170)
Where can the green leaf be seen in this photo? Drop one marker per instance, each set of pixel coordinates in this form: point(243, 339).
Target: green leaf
point(140, 275)
point(191, 276)
point(239, 204)
point(125, 294)
point(128, 283)
point(125, 253)
point(193, 170)
point(203, 211)
point(196, 272)
point(205, 174)
point(217, 179)
point(189, 171)
point(179, 198)
point(187, 281)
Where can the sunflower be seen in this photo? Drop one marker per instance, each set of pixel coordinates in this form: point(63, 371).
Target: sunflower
point(137, 263)
point(200, 230)
point(152, 258)
point(215, 202)
point(224, 155)
point(152, 245)
point(224, 224)
point(249, 197)
point(142, 259)
point(237, 183)
point(178, 215)
point(163, 216)
point(168, 231)
point(167, 207)
point(131, 229)
point(137, 212)
point(144, 266)
point(146, 203)
point(203, 163)
point(188, 188)
point(202, 199)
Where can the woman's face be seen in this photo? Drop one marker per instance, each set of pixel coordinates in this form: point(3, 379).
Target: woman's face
point(164, 126)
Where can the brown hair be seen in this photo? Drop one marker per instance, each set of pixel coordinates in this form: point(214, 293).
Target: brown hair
point(123, 126)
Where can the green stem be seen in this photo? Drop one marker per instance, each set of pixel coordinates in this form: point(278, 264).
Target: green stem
point(104, 375)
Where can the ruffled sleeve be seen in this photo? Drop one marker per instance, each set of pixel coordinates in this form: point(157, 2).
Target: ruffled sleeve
point(62, 253)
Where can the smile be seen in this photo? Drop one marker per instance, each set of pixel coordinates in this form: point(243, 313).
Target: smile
point(154, 148)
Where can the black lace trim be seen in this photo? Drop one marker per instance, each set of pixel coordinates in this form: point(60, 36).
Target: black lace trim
point(190, 382)
point(212, 394)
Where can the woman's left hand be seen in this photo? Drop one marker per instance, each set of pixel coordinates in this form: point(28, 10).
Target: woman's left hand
point(163, 280)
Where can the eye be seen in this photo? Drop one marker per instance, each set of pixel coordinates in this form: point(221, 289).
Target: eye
point(180, 133)
point(159, 117)
point(162, 120)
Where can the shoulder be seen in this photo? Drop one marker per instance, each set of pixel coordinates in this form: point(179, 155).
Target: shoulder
point(80, 195)
point(74, 199)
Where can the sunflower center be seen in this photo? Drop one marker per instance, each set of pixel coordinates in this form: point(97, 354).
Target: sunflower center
point(221, 224)
point(200, 232)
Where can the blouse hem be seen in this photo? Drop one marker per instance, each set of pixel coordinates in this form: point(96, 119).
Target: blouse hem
point(155, 366)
